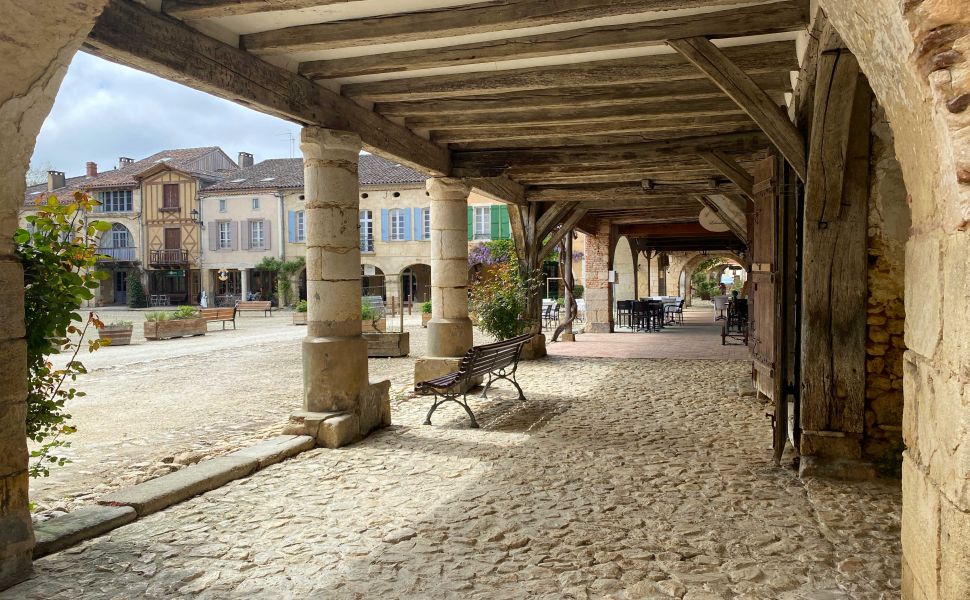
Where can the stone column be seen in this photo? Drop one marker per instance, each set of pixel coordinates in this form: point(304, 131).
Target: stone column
point(244, 280)
point(599, 291)
point(450, 329)
point(341, 406)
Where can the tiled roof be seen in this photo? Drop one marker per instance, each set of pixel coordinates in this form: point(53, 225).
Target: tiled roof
point(181, 159)
point(278, 173)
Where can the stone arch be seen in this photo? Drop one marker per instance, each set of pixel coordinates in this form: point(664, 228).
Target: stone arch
point(624, 264)
point(416, 282)
point(372, 280)
point(694, 261)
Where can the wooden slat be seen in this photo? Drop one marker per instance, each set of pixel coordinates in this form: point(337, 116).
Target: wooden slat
point(731, 77)
point(469, 19)
point(207, 9)
point(779, 17)
point(775, 84)
point(594, 191)
point(130, 34)
point(730, 169)
point(620, 175)
point(771, 57)
point(596, 139)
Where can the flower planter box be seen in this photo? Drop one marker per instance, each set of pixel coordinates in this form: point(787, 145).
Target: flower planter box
point(369, 326)
point(164, 330)
point(385, 345)
point(425, 317)
point(299, 318)
point(119, 336)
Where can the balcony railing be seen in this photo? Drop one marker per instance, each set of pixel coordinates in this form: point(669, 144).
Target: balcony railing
point(117, 254)
point(168, 257)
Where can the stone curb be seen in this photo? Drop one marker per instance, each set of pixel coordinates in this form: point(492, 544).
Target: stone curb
point(125, 506)
point(76, 526)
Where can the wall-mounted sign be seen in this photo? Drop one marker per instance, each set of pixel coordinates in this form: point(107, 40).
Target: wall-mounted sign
point(711, 222)
point(175, 274)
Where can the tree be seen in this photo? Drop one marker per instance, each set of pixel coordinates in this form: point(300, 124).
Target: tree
point(136, 292)
point(59, 254)
point(283, 271)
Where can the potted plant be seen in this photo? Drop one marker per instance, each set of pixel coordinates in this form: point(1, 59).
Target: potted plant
point(299, 317)
point(425, 313)
point(370, 319)
point(178, 323)
point(118, 333)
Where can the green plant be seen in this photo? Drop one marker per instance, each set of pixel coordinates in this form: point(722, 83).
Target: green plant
point(185, 312)
point(366, 311)
point(426, 307)
point(120, 324)
point(283, 271)
point(136, 292)
point(301, 306)
point(157, 315)
point(578, 291)
point(59, 254)
point(500, 299)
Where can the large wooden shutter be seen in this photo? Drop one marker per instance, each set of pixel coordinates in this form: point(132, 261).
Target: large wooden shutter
point(173, 238)
point(170, 195)
point(764, 266)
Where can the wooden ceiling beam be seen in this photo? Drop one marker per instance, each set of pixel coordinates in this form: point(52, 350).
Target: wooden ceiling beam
point(771, 57)
point(556, 236)
point(130, 34)
point(779, 17)
point(635, 191)
point(483, 17)
point(502, 189)
point(188, 10)
point(683, 90)
point(674, 229)
point(592, 139)
point(619, 176)
point(731, 77)
point(730, 169)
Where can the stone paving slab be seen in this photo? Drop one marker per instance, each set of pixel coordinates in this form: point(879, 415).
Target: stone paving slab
point(276, 449)
point(82, 524)
point(162, 492)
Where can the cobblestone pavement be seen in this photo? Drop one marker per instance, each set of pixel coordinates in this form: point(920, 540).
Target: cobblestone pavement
point(616, 479)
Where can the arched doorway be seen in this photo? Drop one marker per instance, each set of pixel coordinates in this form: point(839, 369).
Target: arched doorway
point(624, 288)
point(372, 281)
point(416, 283)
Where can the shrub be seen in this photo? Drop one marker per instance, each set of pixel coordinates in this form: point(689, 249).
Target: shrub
point(158, 316)
point(578, 291)
point(301, 306)
point(120, 324)
point(367, 312)
point(283, 271)
point(136, 292)
point(499, 298)
point(59, 257)
point(185, 312)
point(426, 307)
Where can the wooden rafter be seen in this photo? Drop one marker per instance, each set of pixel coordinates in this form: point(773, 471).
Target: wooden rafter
point(771, 57)
point(620, 191)
point(502, 189)
point(130, 34)
point(468, 19)
point(779, 17)
point(603, 138)
point(556, 236)
point(204, 9)
point(552, 217)
point(731, 77)
point(736, 228)
point(728, 167)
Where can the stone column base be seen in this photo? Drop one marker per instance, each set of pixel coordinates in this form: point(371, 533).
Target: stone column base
point(334, 371)
point(432, 367)
point(451, 337)
point(846, 469)
point(534, 348)
point(567, 337)
point(598, 328)
point(339, 429)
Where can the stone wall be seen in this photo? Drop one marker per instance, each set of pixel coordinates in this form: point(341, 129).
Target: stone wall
point(888, 228)
point(599, 291)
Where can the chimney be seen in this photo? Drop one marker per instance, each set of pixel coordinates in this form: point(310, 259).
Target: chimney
point(55, 180)
point(124, 161)
point(92, 169)
point(245, 160)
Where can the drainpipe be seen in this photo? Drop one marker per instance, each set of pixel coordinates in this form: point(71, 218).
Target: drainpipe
point(280, 213)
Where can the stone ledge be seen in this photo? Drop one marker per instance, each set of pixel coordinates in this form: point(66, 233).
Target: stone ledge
point(162, 492)
point(845, 469)
point(327, 429)
point(276, 449)
point(79, 525)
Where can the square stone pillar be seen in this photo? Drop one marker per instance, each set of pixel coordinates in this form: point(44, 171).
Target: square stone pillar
point(599, 291)
point(340, 404)
point(244, 282)
point(450, 329)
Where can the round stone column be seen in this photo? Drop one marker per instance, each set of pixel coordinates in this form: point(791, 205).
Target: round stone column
point(334, 353)
point(450, 329)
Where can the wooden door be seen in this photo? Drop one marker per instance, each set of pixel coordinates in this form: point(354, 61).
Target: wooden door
point(173, 238)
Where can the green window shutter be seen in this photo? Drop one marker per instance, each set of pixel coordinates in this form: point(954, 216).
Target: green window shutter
point(505, 231)
point(471, 223)
point(496, 227)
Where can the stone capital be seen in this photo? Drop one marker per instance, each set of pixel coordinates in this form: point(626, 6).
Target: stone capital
point(318, 143)
point(448, 188)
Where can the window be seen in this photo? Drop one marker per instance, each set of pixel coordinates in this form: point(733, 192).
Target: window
point(426, 223)
point(225, 235)
point(222, 205)
point(397, 224)
point(256, 235)
point(170, 196)
point(482, 223)
point(255, 203)
point(366, 231)
point(115, 201)
point(120, 238)
point(300, 228)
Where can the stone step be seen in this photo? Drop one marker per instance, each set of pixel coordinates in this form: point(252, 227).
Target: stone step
point(79, 525)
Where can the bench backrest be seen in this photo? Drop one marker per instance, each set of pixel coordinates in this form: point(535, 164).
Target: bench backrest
point(260, 304)
point(482, 359)
point(217, 313)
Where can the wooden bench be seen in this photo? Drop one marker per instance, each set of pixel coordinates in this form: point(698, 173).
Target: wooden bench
point(226, 315)
point(256, 305)
point(498, 360)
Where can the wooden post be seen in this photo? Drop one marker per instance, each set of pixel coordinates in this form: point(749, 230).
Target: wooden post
point(567, 334)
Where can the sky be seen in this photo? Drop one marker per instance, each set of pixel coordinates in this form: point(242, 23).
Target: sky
point(104, 111)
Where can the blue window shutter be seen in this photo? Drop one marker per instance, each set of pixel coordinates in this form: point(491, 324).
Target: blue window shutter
point(418, 225)
point(407, 223)
point(291, 226)
point(385, 226)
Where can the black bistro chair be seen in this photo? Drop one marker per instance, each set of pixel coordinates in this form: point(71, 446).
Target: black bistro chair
point(624, 313)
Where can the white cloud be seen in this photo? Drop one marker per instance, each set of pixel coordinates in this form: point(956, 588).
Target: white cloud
point(104, 111)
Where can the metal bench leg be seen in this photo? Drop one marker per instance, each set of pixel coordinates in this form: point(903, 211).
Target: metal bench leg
point(471, 415)
point(434, 407)
point(487, 385)
point(516, 384)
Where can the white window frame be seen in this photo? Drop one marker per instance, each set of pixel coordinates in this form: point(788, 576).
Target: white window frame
point(222, 205)
point(115, 201)
point(395, 220)
point(481, 214)
point(300, 226)
point(257, 234)
point(118, 233)
point(366, 218)
point(426, 223)
point(255, 203)
point(225, 235)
